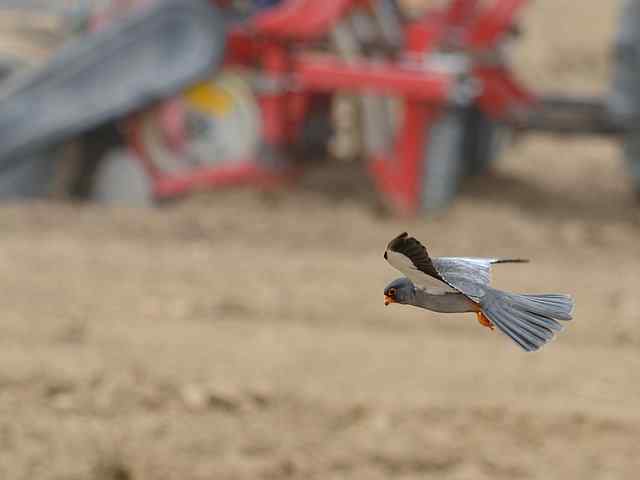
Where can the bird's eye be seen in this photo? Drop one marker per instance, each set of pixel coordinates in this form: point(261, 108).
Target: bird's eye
point(392, 292)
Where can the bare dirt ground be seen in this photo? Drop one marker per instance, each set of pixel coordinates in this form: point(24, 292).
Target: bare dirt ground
point(235, 336)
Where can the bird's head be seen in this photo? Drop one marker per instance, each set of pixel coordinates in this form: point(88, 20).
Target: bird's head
point(401, 290)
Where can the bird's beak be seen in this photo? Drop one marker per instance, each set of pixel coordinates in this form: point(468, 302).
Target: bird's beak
point(388, 300)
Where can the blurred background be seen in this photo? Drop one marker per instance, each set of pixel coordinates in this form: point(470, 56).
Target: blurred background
point(196, 197)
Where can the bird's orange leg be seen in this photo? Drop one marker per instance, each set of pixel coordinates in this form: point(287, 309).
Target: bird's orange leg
point(483, 320)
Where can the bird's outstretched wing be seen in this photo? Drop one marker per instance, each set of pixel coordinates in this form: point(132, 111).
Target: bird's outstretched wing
point(469, 276)
point(410, 257)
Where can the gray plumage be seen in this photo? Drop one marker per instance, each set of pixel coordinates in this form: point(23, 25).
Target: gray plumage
point(469, 275)
point(529, 320)
point(458, 284)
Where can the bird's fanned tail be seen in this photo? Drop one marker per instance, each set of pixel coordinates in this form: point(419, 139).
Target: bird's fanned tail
point(529, 320)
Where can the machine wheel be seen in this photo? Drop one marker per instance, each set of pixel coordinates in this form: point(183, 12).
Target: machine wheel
point(121, 180)
point(221, 126)
point(443, 160)
point(462, 143)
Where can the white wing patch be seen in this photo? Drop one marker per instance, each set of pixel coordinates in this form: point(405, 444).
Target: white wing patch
point(420, 279)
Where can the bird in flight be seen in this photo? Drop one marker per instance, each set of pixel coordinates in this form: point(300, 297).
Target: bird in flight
point(458, 284)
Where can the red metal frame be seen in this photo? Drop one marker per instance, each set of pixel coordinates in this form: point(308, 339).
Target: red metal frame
point(397, 174)
point(487, 28)
point(293, 75)
point(325, 73)
point(501, 93)
point(302, 19)
point(461, 12)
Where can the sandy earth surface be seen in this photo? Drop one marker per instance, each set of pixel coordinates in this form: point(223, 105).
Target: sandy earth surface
point(235, 336)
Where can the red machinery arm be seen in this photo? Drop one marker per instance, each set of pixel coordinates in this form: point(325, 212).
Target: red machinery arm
point(315, 72)
point(489, 26)
point(302, 19)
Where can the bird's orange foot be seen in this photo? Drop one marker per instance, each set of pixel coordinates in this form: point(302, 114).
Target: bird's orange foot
point(483, 320)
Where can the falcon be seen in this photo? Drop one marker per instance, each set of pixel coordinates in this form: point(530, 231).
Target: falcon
point(460, 284)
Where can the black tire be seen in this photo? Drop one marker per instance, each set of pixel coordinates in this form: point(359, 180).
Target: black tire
point(315, 132)
point(32, 177)
point(483, 141)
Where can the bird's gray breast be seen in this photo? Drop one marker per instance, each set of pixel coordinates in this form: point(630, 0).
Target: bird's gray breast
point(445, 302)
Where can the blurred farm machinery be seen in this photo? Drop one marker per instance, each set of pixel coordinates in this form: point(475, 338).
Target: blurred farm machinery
point(420, 98)
point(423, 101)
point(93, 78)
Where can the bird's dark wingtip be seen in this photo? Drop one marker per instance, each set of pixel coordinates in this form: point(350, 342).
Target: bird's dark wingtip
point(398, 240)
point(511, 260)
point(411, 248)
